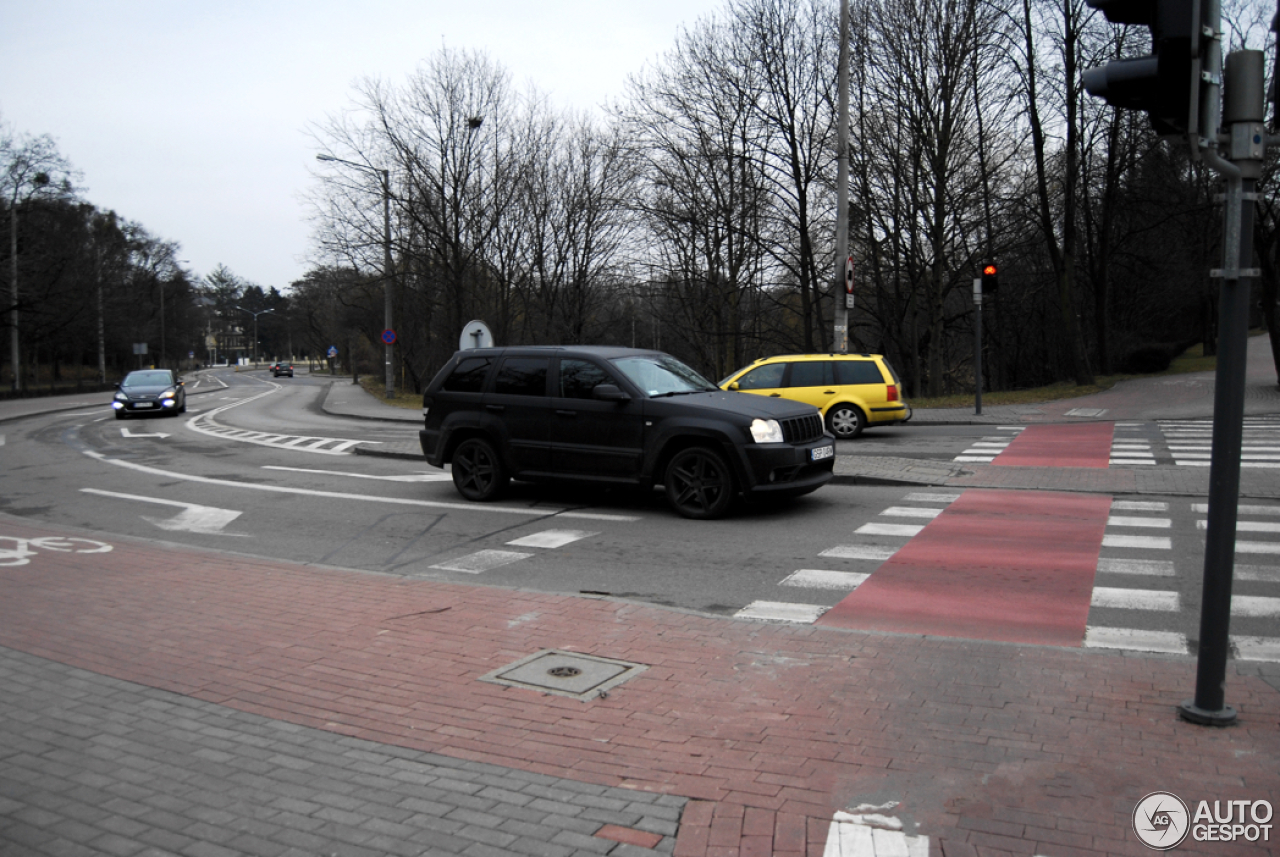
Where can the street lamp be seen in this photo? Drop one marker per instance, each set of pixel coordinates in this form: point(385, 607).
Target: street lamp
point(255, 328)
point(385, 175)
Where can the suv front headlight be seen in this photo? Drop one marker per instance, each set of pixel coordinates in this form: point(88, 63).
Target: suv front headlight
point(766, 431)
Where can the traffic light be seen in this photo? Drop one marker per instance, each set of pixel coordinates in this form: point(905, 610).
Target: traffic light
point(990, 278)
point(1167, 82)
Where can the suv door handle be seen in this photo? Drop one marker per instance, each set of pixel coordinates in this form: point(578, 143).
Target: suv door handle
point(566, 413)
point(497, 408)
point(828, 392)
point(775, 395)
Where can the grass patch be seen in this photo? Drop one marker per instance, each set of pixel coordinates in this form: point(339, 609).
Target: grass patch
point(377, 387)
point(1191, 360)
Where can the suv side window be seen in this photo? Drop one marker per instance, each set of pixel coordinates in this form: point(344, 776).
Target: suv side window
point(468, 376)
point(858, 372)
point(811, 373)
point(763, 377)
point(522, 376)
point(578, 378)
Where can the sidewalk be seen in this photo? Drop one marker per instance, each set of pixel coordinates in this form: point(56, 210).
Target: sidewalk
point(177, 701)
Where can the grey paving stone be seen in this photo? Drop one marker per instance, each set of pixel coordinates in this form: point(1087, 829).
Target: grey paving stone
point(92, 765)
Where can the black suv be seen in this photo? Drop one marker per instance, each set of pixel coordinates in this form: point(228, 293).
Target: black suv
point(617, 415)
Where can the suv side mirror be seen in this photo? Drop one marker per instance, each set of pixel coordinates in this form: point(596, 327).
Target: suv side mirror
point(734, 386)
point(610, 393)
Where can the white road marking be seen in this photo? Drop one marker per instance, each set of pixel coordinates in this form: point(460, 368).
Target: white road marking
point(482, 561)
point(1203, 508)
point(867, 552)
point(1138, 506)
point(816, 578)
point(337, 495)
point(1135, 640)
point(1267, 573)
point(779, 611)
point(924, 497)
point(1247, 526)
point(1135, 599)
point(1148, 567)
point(1153, 523)
point(1257, 547)
point(124, 432)
point(1146, 542)
point(1254, 605)
point(319, 445)
point(193, 518)
point(407, 477)
point(552, 538)
point(874, 529)
point(911, 512)
point(1257, 648)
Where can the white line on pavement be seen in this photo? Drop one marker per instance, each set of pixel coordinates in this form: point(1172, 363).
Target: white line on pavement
point(817, 578)
point(552, 538)
point(1135, 640)
point(779, 611)
point(1135, 599)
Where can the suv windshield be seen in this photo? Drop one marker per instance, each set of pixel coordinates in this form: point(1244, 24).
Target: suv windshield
point(660, 375)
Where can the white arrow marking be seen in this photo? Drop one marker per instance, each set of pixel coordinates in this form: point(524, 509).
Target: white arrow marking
point(124, 432)
point(193, 518)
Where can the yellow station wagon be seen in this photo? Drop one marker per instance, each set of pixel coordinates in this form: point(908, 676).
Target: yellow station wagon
point(852, 391)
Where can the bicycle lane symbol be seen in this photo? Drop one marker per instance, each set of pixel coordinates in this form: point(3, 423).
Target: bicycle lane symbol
point(15, 550)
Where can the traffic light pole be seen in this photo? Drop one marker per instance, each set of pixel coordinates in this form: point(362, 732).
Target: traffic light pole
point(977, 346)
point(1243, 122)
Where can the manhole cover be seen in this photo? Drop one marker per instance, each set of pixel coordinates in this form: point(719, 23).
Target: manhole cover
point(565, 673)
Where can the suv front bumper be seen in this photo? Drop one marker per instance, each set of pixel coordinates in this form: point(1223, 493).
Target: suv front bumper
point(781, 467)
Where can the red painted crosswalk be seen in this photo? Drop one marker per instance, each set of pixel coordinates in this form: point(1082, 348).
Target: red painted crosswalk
point(1081, 445)
point(1016, 566)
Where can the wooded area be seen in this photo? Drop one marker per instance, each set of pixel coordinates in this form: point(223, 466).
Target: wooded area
point(697, 214)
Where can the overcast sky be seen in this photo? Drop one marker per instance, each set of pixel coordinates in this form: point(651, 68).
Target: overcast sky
point(191, 117)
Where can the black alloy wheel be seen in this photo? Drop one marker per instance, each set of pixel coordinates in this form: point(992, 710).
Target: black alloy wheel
point(845, 421)
point(477, 471)
point(699, 483)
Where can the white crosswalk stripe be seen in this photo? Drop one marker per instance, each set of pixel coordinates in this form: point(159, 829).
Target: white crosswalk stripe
point(985, 450)
point(489, 559)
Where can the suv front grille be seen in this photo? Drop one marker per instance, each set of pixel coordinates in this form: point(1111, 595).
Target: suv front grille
point(801, 429)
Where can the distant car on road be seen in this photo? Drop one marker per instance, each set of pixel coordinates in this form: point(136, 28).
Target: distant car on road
point(278, 369)
point(149, 391)
point(616, 416)
point(852, 391)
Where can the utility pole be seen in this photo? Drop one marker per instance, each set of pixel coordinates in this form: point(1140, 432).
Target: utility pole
point(844, 265)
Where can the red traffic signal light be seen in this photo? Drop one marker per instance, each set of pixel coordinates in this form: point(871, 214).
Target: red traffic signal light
point(990, 280)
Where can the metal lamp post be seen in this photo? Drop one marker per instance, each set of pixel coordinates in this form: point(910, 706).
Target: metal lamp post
point(255, 328)
point(387, 335)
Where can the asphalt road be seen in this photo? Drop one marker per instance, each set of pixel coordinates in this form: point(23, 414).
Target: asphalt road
point(257, 467)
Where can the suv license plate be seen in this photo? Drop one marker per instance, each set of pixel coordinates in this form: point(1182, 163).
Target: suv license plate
point(823, 452)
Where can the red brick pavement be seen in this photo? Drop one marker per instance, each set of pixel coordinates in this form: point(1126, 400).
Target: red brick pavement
point(990, 748)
